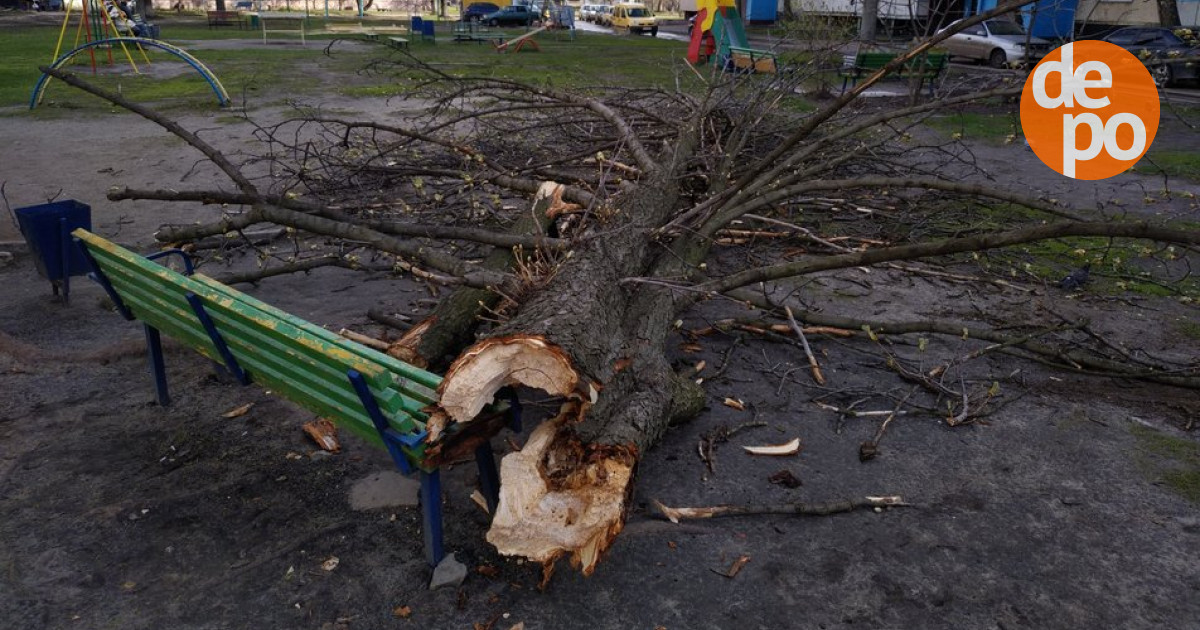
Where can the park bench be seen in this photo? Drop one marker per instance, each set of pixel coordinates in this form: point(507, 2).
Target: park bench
point(752, 60)
point(475, 32)
point(282, 22)
point(225, 18)
point(372, 33)
point(374, 395)
point(927, 67)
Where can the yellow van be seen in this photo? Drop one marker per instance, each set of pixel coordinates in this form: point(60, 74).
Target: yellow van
point(635, 18)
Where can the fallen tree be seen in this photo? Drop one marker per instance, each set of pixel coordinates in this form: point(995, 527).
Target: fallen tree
point(636, 187)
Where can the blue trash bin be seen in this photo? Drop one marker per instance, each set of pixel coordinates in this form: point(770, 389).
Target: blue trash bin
point(47, 228)
point(415, 29)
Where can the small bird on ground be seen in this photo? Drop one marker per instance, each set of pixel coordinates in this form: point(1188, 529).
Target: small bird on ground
point(1076, 279)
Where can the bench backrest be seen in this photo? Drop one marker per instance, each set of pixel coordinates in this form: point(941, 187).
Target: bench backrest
point(873, 60)
point(297, 359)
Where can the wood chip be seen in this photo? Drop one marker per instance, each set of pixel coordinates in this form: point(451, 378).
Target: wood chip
point(402, 612)
point(735, 403)
point(237, 412)
point(734, 568)
point(324, 433)
point(487, 570)
point(330, 564)
point(785, 478)
point(478, 499)
point(787, 448)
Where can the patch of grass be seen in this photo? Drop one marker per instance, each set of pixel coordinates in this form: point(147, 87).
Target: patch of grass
point(1173, 164)
point(1173, 461)
point(590, 60)
point(1190, 330)
point(979, 127)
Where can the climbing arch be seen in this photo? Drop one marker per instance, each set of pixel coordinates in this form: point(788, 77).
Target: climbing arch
point(213, 81)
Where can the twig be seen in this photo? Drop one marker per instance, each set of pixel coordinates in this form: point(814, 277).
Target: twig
point(707, 447)
point(369, 342)
point(869, 450)
point(824, 508)
point(394, 320)
point(812, 360)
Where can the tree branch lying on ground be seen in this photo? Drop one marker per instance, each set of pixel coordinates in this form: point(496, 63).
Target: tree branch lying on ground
point(635, 185)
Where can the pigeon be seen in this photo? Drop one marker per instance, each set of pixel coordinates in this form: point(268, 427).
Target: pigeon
point(1076, 279)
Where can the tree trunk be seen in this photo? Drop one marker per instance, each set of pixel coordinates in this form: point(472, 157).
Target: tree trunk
point(1168, 13)
point(870, 16)
point(451, 326)
point(598, 343)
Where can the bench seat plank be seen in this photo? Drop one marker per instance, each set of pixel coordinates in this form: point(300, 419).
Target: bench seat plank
point(313, 385)
point(277, 354)
point(428, 380)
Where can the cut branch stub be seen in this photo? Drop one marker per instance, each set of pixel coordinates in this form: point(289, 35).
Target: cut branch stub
point(474, 378)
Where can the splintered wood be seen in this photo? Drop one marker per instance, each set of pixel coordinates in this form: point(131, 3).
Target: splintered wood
point(474, 378)
point(542, 518)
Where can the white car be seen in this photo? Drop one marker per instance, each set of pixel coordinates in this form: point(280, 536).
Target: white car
point(587, 12)
point(999, 42)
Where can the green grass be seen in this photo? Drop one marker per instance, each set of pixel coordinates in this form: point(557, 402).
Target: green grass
point(1174, 164)
point(590, 60)
point(1189, 329)
point(1172, 461)
point(978, 127)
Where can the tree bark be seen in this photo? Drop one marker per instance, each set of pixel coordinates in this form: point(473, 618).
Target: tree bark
point(454, 320)
point(598, 344)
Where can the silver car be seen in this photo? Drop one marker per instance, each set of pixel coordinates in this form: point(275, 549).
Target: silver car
point(999, 42)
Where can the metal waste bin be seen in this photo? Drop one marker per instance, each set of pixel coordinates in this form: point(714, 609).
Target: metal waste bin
point(47, 228)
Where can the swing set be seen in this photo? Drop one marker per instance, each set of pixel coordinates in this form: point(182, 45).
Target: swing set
point(96, 29)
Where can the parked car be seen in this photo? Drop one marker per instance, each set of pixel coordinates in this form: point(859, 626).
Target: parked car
point(604, 15)
point(999, 42)
point(477, 11)
point(1169, 57)
point(635, 18)
point(516, 15)
point(587, 12)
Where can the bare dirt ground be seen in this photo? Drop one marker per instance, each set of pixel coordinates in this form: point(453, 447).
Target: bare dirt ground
point(1058, 512)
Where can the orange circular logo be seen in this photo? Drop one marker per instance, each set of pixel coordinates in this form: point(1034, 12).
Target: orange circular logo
point(1089, 110)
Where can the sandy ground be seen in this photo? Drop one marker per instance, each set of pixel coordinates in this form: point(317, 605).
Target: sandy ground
point(118, 513)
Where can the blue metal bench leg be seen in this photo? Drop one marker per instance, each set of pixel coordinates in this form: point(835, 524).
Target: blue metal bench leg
point(157, 366)
point(431, 516)
point(489, 477)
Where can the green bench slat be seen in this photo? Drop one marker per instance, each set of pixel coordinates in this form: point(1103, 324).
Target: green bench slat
point(293, 376)
point(427, 380)
point(156, 295)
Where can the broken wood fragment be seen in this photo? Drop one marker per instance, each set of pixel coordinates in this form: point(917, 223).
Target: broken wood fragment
point(734, 568)
point(825, 508)
point(324, 433)
point(369, 342)
point(776, 450)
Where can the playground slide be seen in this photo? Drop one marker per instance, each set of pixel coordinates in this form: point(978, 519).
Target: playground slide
point(735, 33)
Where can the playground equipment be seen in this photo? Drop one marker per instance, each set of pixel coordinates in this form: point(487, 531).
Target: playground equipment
point(141, 43)
point(94, 24)
point(96, 29)
point(521, 42)
point(718, 35)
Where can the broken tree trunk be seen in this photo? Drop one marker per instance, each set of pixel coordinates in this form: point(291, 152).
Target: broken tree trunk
point(598, 344)
point(451, 326)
